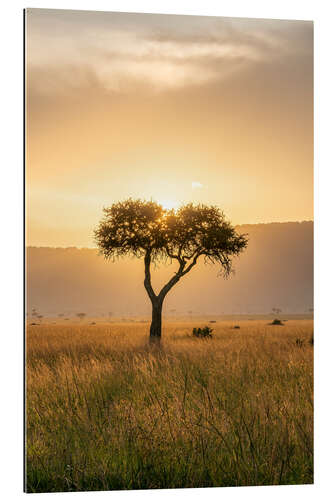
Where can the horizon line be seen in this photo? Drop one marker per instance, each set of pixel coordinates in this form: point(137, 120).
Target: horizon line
point(81, 247)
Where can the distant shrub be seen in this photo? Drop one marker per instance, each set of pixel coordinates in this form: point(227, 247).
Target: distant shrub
point(236, 327)
point(212, 321)
point(299, 342)
point(311, 341)
point(276, 322)
point(201, 333)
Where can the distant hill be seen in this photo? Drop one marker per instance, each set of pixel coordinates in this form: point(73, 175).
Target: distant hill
point(276, 270)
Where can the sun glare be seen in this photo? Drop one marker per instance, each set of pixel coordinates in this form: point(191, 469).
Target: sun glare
point(169, 204)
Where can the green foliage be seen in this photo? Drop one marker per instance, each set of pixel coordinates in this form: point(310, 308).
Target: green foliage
point(205, 332)
point(135, 227)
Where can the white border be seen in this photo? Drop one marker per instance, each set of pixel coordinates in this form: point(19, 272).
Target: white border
point(11, 230)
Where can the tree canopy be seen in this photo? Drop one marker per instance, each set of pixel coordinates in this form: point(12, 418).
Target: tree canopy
point(136, 227)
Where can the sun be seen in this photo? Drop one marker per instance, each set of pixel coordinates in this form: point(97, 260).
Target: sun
point(169, 204)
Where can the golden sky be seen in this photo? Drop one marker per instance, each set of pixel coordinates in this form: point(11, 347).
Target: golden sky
point(173, 108)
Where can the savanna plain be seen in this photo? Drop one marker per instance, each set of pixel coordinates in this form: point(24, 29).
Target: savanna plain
point(105, 411)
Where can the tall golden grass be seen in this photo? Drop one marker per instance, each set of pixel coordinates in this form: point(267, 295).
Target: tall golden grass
point(105, 411)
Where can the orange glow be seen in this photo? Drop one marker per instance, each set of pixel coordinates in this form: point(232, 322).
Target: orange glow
point(174, 109)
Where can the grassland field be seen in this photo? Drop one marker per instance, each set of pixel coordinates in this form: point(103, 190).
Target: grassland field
point(105, 411)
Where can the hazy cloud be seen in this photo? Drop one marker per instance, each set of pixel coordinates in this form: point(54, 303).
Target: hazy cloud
point(152, 50)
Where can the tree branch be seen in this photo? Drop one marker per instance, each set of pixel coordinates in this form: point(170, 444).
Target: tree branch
point(189, 257)
point(147, 281)
point(174, 256)
point(172, 281)
point(193, 263)
point(179, 274)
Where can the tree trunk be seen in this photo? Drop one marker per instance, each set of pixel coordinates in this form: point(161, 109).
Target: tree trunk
point(157, 300)
point(156, 322)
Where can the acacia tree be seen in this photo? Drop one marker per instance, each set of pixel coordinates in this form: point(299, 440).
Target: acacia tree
point(144, 229)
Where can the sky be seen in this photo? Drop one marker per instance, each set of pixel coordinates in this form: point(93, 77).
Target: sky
point(176, 109)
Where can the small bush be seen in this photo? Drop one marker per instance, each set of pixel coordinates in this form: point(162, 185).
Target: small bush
point(276, 322)
point(311, 341)
point(236, 327)
point(212, 321)
point(201, 333)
